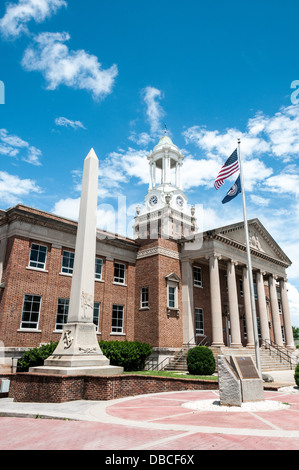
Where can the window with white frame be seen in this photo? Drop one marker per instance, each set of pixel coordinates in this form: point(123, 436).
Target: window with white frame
point(62, 313)
point(38, 256)
point(119, 273)
point(31, 311)
point(197, 278)
point(98, 269)
point(117, 319)
point(144, 297)
point(68, 258)
point(199, 324)
point(96, 315)
point(171, 296)
point(172, 283)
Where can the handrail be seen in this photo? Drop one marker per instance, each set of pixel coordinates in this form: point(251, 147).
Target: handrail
point(181, 353)
point(282, 353)
point(177, 357)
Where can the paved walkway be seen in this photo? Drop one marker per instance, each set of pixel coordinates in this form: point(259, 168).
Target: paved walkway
point(156, 422)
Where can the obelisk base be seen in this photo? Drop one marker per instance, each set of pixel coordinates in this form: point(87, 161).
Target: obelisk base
point(78, 353)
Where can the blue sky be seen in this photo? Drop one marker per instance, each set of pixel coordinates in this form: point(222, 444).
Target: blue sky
point(108, 74)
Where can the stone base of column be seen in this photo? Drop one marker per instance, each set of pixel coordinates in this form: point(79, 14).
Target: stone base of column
point(217, 345)
point(78, 353)
point(236, 345)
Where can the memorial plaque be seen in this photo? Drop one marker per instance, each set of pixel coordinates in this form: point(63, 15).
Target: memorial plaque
point(246, 367)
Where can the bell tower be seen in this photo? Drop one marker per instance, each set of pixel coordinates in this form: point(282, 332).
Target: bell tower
point(165, 212)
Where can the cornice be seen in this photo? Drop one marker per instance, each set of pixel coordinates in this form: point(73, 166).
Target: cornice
point(158, 250)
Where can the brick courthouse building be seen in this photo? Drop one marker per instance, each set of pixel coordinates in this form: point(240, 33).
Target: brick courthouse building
point(167, 286)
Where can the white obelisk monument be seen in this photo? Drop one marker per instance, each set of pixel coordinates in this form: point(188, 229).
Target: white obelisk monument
point(78, 352)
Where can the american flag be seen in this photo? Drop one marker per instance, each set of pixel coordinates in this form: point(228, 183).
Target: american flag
point(230, 167)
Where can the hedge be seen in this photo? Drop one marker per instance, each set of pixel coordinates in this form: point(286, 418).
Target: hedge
point(201, 361)
point(131, 355)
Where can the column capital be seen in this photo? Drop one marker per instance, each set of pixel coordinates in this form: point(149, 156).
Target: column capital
point(214, 256)
point(234, 262)
point(260, 271)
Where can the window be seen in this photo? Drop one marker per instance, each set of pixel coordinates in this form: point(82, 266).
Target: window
point(67, 262)
point(199, 327)
point(119, 273)
point(62, 313)
point(171, 297)
point(197, 276)
point(241, 288)
point(117, 319)
point(38, 255)
point(31, 309)
point(96, 315)
point(255, 290)
point(98, 269)
point(144, 297)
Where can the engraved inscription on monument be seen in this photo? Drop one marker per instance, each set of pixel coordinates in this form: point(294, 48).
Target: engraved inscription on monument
point(246, 367)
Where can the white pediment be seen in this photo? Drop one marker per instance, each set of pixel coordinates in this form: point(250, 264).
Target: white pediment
point(259, 238)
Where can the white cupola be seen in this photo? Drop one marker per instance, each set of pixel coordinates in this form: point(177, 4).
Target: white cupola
point(165, 204)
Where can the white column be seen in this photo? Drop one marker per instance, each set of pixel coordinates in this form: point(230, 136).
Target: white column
point(248, 311)
point(188, 303)
point(275, 312)
point(286, 315)
point(177, 174)
point(154, 174)
point(233, 305)
point(180, 175)
point(216, 308)
point(151, 176)
point(261, 296)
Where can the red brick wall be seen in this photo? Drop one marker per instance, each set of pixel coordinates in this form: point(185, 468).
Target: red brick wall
point(58, 389)
point(52, 285)
point(154, 325)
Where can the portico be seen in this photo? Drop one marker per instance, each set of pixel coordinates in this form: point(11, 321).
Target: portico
point(228, 317)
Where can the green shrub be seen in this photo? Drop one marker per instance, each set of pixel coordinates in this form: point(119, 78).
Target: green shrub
point(35, 357)
point(131, 355)
point(201, 361)
point(296, 376)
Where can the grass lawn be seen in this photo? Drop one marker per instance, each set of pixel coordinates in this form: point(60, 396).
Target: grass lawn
point(178, 375)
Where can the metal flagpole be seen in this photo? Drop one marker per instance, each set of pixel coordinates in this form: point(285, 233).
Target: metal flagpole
point(252, 297)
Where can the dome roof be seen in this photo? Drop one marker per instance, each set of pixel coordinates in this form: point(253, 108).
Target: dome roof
point(165, 141)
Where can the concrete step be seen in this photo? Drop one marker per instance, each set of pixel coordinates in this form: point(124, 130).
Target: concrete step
point(269, 360)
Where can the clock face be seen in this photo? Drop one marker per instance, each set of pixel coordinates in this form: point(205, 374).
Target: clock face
point(180, 201)
point(153, 200)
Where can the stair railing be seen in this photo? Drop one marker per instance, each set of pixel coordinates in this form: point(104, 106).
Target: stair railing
point(154, 365)
point(187, 346)
point(282, 353)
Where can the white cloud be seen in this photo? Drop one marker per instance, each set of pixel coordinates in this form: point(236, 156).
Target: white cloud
point(13, 188)
point(285, 182)
point(281, 131)
point(154, 110)
point(154, 114)
point(17, 15)
point(49, 55)
point(64, 122)
point(276, 136)
point(293, 295)
point(259, 201)
point(13, 146)
point(69, 208)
